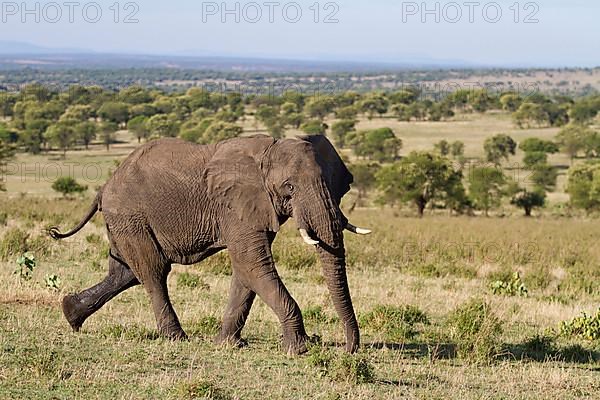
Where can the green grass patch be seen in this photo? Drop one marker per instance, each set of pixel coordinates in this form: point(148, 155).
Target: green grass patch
point(476, 331)
point(396, 323)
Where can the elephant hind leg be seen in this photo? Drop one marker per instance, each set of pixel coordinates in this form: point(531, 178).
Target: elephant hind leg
point(166, 318)
point(236, 313)
point(151, 267)
point(78, 307)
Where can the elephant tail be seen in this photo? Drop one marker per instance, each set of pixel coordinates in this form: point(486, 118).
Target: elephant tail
point(55, 233)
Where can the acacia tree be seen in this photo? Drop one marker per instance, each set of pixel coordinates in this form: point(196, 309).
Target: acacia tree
point(530, 145)
point(219, 131)
point(528, 113)
point(340, 129)
point(544, 176)
point(584, 186)
point(421, 178)
point(61, 135)
point(319, 107)
point(314, 127)
point(107, 133)
point(364, 180)
point(116, 112)
point(499, 147)
point(529, 200)
point(375, 103)
point(139, 127)
point(378, 144)
point(572, 139)
point(486, 187)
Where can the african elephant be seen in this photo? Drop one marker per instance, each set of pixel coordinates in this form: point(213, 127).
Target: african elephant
point(173, 201)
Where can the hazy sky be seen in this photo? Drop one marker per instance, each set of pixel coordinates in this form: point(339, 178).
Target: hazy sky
point(567, 33)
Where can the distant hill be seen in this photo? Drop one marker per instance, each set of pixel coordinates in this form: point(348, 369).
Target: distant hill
point(16, 55)
point(14, 48)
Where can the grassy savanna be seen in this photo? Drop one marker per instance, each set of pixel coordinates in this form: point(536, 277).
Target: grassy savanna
point(416, 286)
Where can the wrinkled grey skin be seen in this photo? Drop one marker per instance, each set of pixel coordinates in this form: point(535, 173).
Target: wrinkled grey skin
point(172, 201)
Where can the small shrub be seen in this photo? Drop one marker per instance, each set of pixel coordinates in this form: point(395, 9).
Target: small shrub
point(320, 358)
point(512, 287)
point(14, 242)
point(185, 279)
point(3, 218)
point(342, 367)
point(52, 282)
point(352, 369)
point(207, 326)
point(25, 266)
point(584, 327)
point(476, 331)
point(199, 390)
point(396, 323)
point(68, 186)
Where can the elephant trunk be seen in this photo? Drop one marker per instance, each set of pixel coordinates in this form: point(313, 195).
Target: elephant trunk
point(324, 221)
point(334, 270)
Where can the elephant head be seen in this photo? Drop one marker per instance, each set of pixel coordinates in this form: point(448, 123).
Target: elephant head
point(304, 179)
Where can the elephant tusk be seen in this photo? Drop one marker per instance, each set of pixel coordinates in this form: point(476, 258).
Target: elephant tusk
point(357, 230)
point(307, 239)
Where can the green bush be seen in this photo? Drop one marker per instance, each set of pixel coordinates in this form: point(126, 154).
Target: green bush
point(476, 330)
point(342, 367)
point(352, 369)
point(512, 287)
point(68, 186)
point(185, 279)
point(397, 323)
point(584, 327)
point(25, 266)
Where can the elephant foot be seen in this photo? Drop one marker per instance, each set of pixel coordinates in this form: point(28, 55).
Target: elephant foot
point(74, 311)
point(173, 332)
point(295, 344)
point(229, 340)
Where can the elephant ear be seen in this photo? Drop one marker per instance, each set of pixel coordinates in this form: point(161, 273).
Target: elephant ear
point(337, 175)
point(233, 178)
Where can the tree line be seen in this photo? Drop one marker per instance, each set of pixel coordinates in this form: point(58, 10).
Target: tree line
point(38, 119)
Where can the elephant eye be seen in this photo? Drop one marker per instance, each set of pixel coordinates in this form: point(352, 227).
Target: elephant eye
point(289, 187)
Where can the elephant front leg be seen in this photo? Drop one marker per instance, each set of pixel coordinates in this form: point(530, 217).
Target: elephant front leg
point(255, 269)
point(236, 313)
